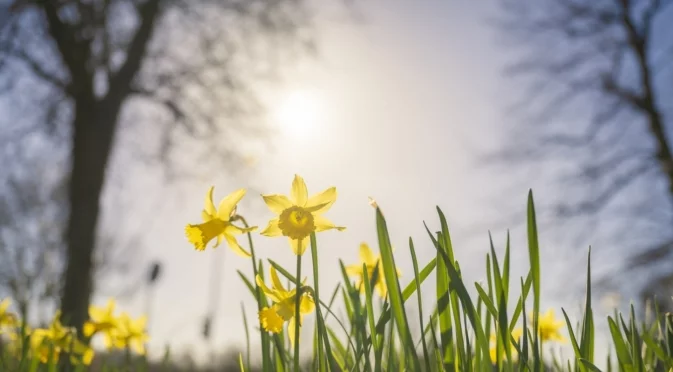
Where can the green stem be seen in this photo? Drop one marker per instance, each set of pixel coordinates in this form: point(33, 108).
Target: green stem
point(316, 294)
point(297, 320)
point(266, 357)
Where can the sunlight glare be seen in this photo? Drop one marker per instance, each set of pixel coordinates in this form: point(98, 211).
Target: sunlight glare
point(299, 114)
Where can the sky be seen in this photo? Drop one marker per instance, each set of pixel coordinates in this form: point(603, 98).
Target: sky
point(397, 107)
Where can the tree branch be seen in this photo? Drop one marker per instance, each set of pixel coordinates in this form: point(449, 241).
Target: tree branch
point(135, 53)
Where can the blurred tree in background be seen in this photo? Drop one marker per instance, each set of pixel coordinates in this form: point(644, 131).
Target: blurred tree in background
point(597, 117)
point(74, 74)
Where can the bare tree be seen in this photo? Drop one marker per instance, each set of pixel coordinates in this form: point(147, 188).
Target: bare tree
point(598, 78)
point(178, 73)
point(30, 238)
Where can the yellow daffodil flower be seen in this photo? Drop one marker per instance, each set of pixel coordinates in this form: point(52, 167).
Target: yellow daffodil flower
point(550, 327)
point(299, 215)
point(283, 310)
point(132, 333)
point(7, 319)
point(217, 224)
point(516, 334)
point(103, 321)
point(374, 264)
point(50, 342)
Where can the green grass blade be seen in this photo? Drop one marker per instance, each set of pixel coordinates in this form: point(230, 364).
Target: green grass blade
point(413, 286)
point(247, 338)
point(417, 280)
point(394, 292)
point(505, 270)
point(623, 354)
point(573, 339)
point(444, 311)
point(316, 285)
point(534, 256)
point(458, 285)
point(370, 320)
point(589, 365)
point(587, 341)
point(483, 296)
point(519, 306)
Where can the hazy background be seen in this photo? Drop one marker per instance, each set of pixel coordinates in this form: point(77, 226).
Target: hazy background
point(407, 102)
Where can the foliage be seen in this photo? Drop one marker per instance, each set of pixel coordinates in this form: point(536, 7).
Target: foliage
point(465, 331)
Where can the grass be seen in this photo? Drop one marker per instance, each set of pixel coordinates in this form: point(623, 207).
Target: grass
point(469, 328)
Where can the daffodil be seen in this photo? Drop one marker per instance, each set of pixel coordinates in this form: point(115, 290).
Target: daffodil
point(132, 333)
point(516, 334)
point(103, 321)
point(549, 327)
point(300, 215)
point(217, 223)
point(48, 343)
point(7, 319)
point(374, 267)
point(283, 310)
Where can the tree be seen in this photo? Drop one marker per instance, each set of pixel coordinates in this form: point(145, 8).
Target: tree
point(598, 83)
point(79, 69)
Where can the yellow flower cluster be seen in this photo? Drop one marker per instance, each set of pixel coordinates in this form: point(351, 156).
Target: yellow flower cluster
point(46, 344)
point(374, 270)
point(120, 332)
point(284, 308)
point(297, 216)
point(548, 327)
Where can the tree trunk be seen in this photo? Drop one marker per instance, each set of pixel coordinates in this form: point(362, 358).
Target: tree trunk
point(94, 127)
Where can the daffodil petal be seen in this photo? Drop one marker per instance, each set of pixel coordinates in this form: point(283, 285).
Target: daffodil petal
point(381, 287)
point(200, 235)
point(277, 285)
point(306, 305)
point(88, 329)
point(272, 294)
point(366, 255)
point(325, 198)
point(272, 229)
point(235, 230)
point(270, 320)
point(4, 305)
point(233, 244)
point(228, 204)
point(354, 270)
point(138, 347)
point(299, 192)
point(277, 203)
point(291, 328)
point(322, 224)
point(209, 206)
point(298, 246)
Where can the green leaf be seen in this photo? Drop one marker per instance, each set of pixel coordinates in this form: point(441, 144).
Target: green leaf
point(534, 256)
point(486, 300)
point(589, 365)
point(370, 319)
point(623, 354)
point(394, 292)
point(573, 339)
point(587, 341)
point(458, 285)
point(417, 280)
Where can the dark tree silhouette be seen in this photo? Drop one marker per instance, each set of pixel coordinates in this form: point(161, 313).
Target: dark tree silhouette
point(81, 71)
point(596, 114)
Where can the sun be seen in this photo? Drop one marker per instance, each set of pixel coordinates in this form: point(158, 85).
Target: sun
point(299, 113)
